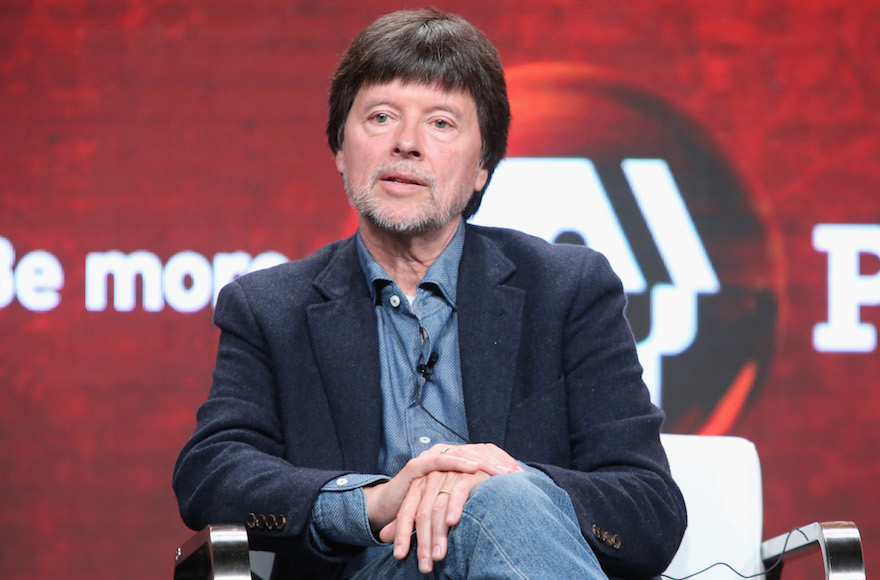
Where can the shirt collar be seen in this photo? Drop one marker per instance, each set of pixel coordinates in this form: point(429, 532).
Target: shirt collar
point(443, 273)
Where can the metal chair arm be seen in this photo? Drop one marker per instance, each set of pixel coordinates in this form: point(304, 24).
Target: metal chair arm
point(220, 552)
point(840, 543)
point(217, 552)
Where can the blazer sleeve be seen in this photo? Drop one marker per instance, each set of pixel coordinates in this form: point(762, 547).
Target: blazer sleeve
point(234, 469)
point(630, 510)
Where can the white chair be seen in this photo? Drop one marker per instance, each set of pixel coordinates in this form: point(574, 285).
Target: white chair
point(720, 478)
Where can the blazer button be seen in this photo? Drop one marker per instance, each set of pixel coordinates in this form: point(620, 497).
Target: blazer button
point(607, 538)
point(280, 522)
point(251, 520)
point(270, 522)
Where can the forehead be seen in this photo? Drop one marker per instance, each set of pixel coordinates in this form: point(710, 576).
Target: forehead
point(400, 92)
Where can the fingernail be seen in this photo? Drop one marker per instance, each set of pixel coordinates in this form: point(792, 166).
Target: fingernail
point(399, 552)
point(425, 565)
point(438, 553)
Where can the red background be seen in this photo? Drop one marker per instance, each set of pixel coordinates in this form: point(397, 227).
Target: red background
point(173, 125)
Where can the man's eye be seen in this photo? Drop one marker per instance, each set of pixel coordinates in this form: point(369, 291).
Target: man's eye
point(442, 124)
point(381, 117)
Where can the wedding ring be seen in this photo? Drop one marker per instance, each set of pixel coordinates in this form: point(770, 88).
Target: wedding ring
point(444, 451)
point(444, 491)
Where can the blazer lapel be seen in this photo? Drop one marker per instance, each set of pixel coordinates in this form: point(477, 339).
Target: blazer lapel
point(346, 346)
point(489, 331)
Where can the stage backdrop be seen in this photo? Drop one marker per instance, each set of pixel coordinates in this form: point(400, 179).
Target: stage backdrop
point(724, 155)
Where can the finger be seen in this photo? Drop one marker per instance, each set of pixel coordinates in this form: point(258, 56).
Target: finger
point(491, 458)
point(493, 453)
point(439, 526)
point(434, 460)
point(384, 500)
point(404, 523)
point(460, 492)
point(387, 533)
point(426, 517)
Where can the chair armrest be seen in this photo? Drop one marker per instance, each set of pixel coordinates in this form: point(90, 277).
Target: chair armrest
point(840, 543)
point(217, 552)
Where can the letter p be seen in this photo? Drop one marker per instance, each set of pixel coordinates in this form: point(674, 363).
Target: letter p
point(848, 289)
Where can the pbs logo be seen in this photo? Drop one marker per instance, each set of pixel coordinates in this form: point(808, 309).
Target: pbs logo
point(595, 160)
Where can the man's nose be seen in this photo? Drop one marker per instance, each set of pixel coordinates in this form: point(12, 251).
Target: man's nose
point(408, 142)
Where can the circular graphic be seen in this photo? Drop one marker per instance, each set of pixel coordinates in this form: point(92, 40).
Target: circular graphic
point(594, 159)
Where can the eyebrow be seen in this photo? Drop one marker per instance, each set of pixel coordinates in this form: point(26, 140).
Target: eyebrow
point(383, 101)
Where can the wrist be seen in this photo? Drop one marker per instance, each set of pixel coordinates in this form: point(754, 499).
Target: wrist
point(374, 516)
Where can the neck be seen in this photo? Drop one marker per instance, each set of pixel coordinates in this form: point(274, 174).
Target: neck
point(405, 256)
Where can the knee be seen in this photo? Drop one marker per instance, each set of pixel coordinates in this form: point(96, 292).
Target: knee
point(511, 483)
point(516, 491)
point(497, 530)
point(513, 505)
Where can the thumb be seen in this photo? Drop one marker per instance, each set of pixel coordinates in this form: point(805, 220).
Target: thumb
point(387, 533)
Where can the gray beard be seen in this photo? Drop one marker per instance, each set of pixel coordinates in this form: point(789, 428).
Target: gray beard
point(430, 215)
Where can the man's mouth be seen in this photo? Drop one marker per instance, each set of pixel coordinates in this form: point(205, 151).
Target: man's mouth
point(402, 179)
point(403, 174)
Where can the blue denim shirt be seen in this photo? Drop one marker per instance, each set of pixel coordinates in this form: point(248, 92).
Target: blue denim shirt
point(417, 412)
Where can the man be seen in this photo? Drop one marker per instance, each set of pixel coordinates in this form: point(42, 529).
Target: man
point(428, 396)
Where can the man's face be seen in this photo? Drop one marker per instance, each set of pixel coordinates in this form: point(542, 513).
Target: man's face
point(410, 157)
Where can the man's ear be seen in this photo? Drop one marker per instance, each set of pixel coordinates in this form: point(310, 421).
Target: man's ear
point(340, 161)
point(479, 182)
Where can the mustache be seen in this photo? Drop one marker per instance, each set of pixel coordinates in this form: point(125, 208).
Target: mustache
point(406, 168)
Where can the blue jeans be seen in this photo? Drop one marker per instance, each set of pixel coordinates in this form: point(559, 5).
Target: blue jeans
point(519, 525)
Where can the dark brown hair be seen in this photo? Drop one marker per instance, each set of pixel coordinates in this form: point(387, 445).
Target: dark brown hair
point(434, 48)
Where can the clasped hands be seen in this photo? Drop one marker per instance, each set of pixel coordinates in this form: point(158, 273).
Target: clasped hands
point(428, 495)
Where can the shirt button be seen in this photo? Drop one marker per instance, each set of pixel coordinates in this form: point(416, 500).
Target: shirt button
point(342, 481)
point(395, 301)
point(424, 440)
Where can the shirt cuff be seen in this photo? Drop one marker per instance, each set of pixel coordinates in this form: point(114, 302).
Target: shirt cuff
point(340, 512)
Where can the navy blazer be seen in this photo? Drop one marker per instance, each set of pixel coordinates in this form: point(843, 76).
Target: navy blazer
point(549, 373)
